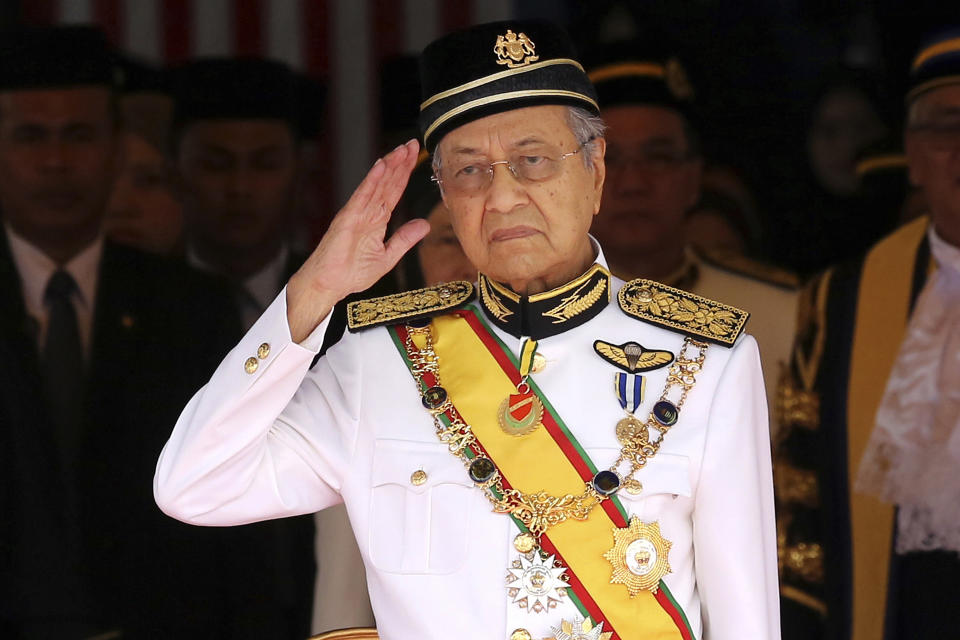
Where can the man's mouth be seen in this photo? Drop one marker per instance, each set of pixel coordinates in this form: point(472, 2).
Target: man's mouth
point(512, 233)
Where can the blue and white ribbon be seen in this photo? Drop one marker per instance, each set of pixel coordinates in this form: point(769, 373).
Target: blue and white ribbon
point(630, 388)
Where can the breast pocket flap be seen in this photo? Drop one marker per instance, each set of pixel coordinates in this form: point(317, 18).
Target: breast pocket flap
point(418, 466)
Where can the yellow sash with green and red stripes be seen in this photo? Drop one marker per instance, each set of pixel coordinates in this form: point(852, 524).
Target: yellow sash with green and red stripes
point(478, 371)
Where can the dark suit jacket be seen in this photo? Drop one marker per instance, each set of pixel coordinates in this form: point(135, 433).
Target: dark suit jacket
point(92, 552)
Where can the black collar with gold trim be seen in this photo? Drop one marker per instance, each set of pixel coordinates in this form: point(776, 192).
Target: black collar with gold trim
point(546, 314)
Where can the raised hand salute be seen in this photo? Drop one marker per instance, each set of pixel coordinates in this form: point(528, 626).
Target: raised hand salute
point(354, 252)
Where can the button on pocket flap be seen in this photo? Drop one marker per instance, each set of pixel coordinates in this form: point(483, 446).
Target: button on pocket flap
point(665, 473)
point(416, 465)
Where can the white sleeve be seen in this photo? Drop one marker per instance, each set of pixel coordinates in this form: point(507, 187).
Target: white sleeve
point(271, 443)
point(734, 525)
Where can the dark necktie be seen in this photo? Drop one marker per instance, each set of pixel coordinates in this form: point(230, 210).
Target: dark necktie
point(62, 365)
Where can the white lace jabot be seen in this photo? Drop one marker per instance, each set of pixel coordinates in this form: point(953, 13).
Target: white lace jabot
point(913, 456)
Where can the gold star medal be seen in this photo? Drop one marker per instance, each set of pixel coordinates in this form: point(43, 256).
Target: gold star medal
point(639, 557)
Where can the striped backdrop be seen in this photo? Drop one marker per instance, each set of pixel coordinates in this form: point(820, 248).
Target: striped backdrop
point(341, 40)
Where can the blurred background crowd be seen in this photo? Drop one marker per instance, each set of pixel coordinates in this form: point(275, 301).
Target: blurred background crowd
point(166, 165)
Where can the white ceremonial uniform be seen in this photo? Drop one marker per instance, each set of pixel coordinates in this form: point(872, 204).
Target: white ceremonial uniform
point(286, 439)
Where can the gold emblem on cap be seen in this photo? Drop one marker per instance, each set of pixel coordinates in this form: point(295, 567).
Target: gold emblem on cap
point(515, 50)
point(677, 81)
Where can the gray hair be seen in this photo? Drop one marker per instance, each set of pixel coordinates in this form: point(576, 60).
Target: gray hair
point(584, 126)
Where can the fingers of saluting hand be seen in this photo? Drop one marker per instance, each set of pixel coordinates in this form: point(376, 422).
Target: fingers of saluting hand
point(383, 185)
point(404, 238)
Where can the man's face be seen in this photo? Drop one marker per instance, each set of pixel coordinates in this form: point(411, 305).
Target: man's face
point(933, 151)
point(142, 211)
point(58, 158)
point(516, 230)
point(238, 179)
point(652, 180)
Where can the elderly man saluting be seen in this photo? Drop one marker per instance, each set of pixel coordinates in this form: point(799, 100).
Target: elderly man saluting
point(547, 453)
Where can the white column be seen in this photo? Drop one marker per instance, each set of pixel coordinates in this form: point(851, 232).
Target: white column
point(492, 10)
point(142, 29)
point(353, 74)
point(283, 31)
point(420, 23)
point(212, 22)
point(76, 11)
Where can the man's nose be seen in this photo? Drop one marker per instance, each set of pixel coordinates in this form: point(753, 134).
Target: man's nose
point(505, 193)
point(55, 157)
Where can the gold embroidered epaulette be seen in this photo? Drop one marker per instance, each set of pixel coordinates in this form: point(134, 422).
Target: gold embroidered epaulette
point(408, 305)
point(747, 267)
point(690, 314)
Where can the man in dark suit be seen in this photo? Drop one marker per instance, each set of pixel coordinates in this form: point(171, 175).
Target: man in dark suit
point(237, 129)
point(101, 345)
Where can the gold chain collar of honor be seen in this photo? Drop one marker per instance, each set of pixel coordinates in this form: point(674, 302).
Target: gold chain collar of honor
point(540, 511)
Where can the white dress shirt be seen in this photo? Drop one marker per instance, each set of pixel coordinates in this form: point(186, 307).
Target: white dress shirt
point(35, 269)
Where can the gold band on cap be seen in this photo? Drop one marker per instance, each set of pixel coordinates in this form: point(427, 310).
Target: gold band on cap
point(500, 97)
point(931, 84)
point(888, 161)
point(497, 76)
point(627, 69)
point(947, 46)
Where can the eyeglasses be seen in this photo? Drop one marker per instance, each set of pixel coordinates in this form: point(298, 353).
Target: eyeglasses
point(473, 178)
point(942, 136)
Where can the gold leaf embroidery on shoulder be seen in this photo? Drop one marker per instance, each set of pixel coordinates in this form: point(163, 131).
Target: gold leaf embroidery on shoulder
point(686, 312)
point(575, 304)
point(408, 304)
point(492, 302)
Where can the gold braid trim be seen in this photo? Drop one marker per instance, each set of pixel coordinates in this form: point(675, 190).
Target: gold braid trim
point(375, 312)
point(575, 304)
point(688, 313)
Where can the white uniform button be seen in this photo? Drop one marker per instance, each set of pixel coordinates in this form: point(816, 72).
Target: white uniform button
point(521, 634)
point(263, 351)
point(251, 365)
point(418, 477)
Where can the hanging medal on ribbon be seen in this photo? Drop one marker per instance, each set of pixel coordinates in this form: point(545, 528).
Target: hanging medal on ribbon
point(522, 412)
point(629, 388)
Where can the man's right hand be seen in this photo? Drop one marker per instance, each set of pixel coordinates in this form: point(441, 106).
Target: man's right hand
point(353, 253)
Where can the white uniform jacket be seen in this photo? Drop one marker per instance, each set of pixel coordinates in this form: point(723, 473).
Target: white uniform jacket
point(269, 437)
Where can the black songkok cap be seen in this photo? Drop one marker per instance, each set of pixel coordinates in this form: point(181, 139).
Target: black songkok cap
point(235, 89)
point(140, 76)
point(632, 73)
point(311, 103)
point(936, 64)
point(62, 56)
point(496, 67)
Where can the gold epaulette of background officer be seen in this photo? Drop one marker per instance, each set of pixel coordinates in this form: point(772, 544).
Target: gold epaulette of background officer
point(407, 306)
point(749, 268)
point(690, 314)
